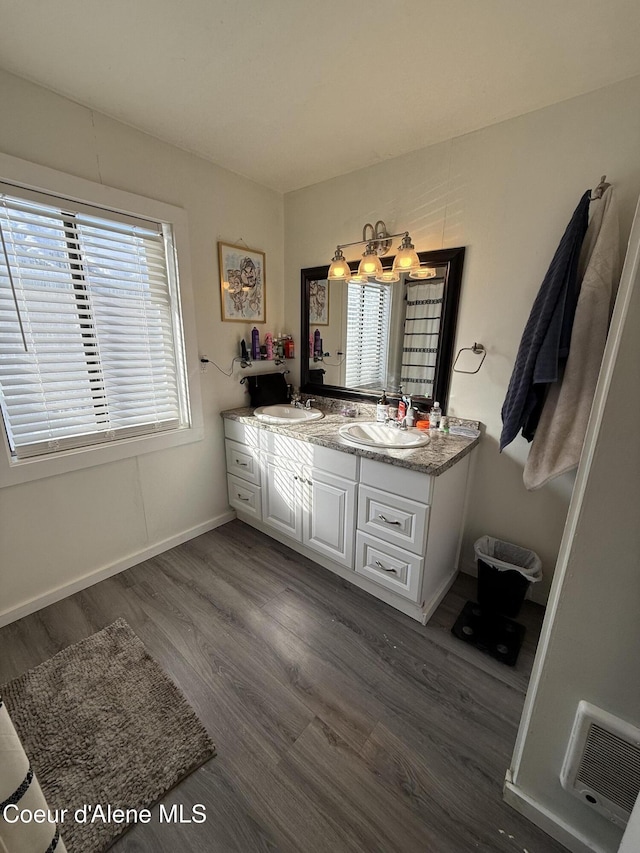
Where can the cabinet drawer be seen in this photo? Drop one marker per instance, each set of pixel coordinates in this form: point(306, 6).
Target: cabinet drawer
point(311, 455)
point(393, 518)
point(244, 433)
point(392, 568)
point(397, 480)
point(243, 461)
point(244, 496)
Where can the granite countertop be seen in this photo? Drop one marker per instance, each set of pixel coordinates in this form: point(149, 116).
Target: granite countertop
point(434, 458)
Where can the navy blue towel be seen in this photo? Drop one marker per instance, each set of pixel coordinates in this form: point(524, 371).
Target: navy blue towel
point(546, 337)
point(265, 389)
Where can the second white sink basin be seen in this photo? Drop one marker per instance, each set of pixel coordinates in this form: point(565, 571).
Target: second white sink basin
point(372, 434)
point(284, 414)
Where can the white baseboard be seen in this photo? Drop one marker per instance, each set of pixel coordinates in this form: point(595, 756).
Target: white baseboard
point(66, 590)
point(547, 821)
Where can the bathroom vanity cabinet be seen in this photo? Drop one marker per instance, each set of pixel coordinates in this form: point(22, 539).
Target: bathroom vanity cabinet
point(391, 530)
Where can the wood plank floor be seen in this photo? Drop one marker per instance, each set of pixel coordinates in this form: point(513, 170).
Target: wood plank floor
point(341, 724)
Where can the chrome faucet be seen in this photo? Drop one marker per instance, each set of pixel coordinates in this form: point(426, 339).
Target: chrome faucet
point(397, 424)
point(308, 403)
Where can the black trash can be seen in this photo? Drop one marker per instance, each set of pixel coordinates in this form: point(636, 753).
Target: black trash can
point(504, 574)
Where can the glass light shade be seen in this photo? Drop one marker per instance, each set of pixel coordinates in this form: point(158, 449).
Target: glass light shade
point(407, 259)
point(339, 268)
point(423, 272)
point(370, 265)
point(388, 277)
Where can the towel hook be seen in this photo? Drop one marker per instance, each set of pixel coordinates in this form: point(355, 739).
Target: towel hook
point(599, 190)
point(476, 349)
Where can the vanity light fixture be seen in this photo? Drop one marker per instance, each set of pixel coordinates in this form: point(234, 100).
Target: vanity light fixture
point(388, 277)
point(378, 242)
point(370, 265)
point(424, 272)
point(407, 259)
point(339, 269)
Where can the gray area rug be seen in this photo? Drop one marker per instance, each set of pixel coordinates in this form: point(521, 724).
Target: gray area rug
point(102, 723)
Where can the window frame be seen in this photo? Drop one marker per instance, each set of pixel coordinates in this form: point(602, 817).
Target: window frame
point(31, 177)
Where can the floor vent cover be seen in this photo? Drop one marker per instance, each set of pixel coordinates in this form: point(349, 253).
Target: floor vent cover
point(602, 764)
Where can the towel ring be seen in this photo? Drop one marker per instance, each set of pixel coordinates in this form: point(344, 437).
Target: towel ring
point(476, 349)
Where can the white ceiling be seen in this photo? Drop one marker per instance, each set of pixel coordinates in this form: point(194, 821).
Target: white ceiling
point(292, 92)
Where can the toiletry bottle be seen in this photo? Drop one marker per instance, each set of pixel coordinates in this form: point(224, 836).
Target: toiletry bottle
point(310, 346)
point(402, 409)
point(410, 414)
point(255, 344)
point(317, 344)
point(444, 425)
point(288, 346)
point(434, 416)
point(382, 409)
point(268, 340)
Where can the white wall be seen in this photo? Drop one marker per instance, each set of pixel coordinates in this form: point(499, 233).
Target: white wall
point(506, 193)
point(53, 532)
point(591, 636)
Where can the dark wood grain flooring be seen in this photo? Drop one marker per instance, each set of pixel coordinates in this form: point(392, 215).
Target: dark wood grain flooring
point(341, 724)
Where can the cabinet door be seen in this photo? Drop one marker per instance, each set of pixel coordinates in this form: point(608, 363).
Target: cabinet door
point(281, 504)
point(329, 515)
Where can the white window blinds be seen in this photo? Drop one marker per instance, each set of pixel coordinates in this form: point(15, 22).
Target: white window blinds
point(90, 334)
point(368, 315)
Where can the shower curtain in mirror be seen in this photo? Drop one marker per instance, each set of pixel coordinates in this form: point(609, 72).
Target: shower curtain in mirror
point(421, 333)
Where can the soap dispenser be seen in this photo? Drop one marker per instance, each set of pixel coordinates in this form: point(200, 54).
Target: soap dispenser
point(382, 409)
point(410, 417)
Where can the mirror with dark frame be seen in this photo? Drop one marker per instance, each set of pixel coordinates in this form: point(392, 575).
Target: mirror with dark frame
point(361, 338)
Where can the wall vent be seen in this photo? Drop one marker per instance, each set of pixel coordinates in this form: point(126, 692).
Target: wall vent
point(602, 764)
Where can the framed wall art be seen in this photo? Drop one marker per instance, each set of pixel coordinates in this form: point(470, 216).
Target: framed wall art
point(319, 302)
point(242, 284)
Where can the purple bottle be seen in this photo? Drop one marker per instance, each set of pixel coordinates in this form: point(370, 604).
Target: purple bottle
point(255, 344)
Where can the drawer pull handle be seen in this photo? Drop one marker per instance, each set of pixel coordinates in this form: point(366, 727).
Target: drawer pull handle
point(384, 568)
point(242, 464)
point(244, 499)
point(386, 520)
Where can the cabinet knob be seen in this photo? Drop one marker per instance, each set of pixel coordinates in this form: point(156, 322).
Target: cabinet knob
point(386, 520)
point(310, 482)
point(295, 477)
point(384, 568)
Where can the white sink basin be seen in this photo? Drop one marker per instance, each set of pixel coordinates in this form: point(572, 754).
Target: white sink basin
point(372, 434)
point(284, 414)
